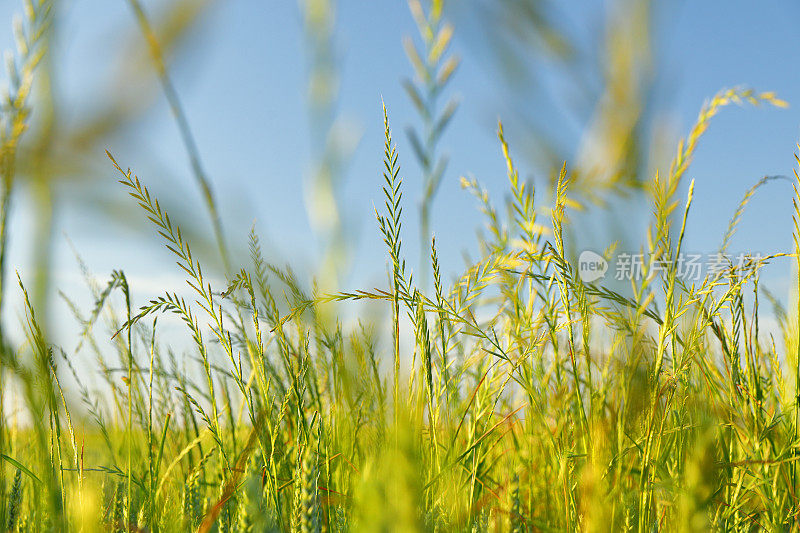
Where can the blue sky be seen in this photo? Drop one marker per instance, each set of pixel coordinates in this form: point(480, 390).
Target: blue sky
point(242, 80)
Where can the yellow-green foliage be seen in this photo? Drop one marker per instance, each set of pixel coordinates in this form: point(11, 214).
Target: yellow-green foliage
point(514, 398)
point(509, 418)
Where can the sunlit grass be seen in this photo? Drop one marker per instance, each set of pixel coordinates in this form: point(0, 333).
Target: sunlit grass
point(512, 397)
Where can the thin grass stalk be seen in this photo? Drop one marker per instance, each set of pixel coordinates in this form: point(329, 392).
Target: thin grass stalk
point(183, 127)
point(796, 239)
point(433, 72)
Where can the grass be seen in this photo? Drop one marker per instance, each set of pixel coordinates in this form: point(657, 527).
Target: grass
point(514, 398)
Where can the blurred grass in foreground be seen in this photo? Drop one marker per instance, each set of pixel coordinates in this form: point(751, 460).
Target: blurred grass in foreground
point(516, 397)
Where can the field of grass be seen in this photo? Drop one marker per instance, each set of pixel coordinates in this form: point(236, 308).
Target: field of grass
point(512, 397)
